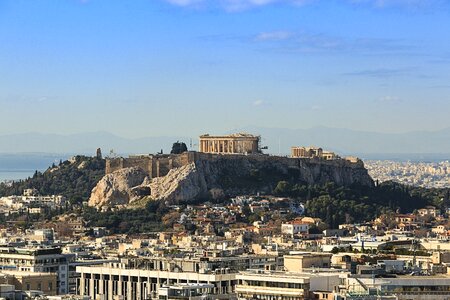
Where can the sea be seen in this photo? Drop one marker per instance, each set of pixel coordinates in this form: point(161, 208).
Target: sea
point(14, 167)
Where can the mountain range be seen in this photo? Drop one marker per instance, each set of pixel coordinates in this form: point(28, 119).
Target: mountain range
point(278, 141)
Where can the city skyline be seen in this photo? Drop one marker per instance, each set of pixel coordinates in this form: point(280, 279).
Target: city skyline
point(155, 68)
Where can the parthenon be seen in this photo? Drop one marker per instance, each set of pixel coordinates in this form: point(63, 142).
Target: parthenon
point(238, 143)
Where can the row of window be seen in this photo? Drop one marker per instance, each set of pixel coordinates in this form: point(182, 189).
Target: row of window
point(289, 285)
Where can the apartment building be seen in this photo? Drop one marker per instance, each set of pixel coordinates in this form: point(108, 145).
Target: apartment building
point(38, 260)
point(272, 286)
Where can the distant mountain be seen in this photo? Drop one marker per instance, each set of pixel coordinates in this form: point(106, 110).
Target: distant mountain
point(84, 143)
point(279, 140)
point(352, 142)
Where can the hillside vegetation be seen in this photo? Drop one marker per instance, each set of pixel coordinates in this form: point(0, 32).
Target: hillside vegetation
point(334, 204)
point(337, 205)
point(74, 179)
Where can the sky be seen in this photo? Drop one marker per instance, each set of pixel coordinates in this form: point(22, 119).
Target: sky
point(186, 67)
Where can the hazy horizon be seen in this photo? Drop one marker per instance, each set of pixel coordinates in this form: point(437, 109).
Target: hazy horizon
point(278, 141)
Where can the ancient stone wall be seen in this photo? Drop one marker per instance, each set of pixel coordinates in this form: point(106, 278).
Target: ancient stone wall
point(153, 165)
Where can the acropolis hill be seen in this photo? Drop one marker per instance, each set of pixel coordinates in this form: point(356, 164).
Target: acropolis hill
point(224, 166)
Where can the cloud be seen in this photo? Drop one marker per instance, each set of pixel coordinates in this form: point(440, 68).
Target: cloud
point(185, 2)
point(441, 59)
point(26, 99)
point(389, 99)
point(410, 4)
point(307, 42)
point(258, 103)
point(240, 5)
point(273, 36)
point(235, 5)
point(381, 72)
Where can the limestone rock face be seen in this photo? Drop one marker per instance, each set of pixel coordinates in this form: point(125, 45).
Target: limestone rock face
point(215, 177)
point(118, 188)
point(180, 184)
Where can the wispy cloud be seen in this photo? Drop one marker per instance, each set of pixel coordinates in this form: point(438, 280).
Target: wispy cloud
point(381, 72)
point(259, 102)
point(307, 42)
point(300, 42)
point(236, 5)
point(240, 5)
point(26, 99)
point(389, 99)
point(410, 4)
point(273, 36)
point(441, 59)
point(185, 2)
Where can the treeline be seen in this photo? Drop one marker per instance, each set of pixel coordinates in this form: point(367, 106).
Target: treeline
point(73, 179)
point(333, 204)
point(129, 221)
point(336, 204)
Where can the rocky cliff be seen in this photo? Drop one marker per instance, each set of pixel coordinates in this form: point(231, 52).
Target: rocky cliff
point(118, 188)
point(213, 176)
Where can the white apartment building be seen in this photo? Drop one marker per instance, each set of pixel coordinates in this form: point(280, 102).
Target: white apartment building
point(20, 202)
point(295, 227)
point(38, 260)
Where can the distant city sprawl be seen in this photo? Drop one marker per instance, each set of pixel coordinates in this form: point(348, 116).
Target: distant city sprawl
point(429, 175)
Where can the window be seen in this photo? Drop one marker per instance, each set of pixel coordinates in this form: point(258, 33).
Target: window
point(39, 286)
point(50, 286)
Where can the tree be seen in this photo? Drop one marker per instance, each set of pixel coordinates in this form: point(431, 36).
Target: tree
point(246, 210)
point(178, 148)
point(335, 250)
point(283, 188)
point(170, 218)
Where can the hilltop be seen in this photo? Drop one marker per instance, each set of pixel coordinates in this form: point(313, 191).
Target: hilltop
point(193, 175)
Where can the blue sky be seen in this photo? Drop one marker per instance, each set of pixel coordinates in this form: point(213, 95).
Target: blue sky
point(185, 67)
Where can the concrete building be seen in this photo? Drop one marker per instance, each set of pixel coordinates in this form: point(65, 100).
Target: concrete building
point(29, 202)
point(26, 281)
point(238, 143)
point(38, 260)
point(187, 291)
point(295, 227)
point(144, 278)
point(403, 287)
point(298, 262)
point(275, 285)
point(115, 281)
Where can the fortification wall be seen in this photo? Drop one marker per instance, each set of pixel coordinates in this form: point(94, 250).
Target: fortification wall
point(153, 165)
